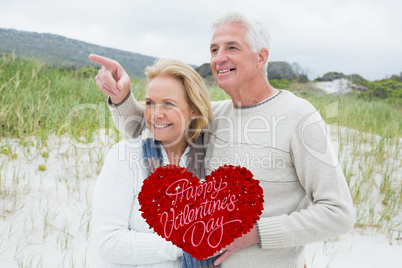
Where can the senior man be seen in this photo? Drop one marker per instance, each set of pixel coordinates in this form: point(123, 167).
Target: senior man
point(278, 136)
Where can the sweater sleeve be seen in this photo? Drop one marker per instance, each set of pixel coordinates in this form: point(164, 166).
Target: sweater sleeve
point(128, 116)
point(330, 212)
point(114, 194)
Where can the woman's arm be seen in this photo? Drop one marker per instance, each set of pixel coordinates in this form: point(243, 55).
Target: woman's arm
point(114, 195)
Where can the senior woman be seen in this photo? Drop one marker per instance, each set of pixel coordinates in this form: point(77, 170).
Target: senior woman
point(177, 110)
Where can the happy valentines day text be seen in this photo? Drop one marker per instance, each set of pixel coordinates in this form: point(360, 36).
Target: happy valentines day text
point(206, 218)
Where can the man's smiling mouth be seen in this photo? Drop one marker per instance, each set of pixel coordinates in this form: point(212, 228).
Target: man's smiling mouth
point(225, 71)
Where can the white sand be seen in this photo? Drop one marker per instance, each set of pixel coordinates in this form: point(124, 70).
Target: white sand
point(368, 250)
point(337, 86)
point(45, 216)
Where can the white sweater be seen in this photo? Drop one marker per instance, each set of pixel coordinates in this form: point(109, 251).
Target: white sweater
point(122, 237)
point(284, 142)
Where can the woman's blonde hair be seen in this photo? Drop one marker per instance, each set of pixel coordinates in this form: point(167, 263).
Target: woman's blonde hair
point(196, 92)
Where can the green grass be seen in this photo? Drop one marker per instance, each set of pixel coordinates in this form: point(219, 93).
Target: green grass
point(37, 100)
point(376, 116)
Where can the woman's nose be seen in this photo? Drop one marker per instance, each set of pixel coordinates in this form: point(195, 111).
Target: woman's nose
point(158, 112)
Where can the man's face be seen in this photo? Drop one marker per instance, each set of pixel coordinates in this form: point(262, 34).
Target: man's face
point(233, 63)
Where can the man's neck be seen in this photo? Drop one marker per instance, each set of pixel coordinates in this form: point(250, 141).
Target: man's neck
point(253, 96)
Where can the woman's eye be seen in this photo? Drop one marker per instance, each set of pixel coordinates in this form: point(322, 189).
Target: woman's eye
point(168, 105)
point(149, 104)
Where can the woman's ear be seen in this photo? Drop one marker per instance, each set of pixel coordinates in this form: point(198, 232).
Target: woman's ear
point(194, 113)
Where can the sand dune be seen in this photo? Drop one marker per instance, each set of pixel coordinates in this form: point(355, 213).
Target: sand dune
point(45, 210)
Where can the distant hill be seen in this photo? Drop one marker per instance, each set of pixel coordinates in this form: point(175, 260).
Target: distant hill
point(61, 51)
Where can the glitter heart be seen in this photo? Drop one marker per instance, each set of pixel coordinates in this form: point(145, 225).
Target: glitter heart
point(201, 217)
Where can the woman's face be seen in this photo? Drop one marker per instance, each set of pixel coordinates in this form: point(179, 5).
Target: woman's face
point(167, 112)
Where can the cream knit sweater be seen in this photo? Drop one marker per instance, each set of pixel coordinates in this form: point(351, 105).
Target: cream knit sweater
point(285, 143)
point(121, 236)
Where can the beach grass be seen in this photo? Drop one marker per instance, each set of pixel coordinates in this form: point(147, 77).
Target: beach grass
point(48, 115)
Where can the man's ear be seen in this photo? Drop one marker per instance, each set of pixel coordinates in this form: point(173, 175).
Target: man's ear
point(263, 57)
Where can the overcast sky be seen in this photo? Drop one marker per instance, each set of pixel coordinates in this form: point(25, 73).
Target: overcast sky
point(348, 36)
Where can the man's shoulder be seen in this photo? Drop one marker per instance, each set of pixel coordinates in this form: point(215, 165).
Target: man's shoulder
point(219, 106)
point(295, 103)
point(290, 96)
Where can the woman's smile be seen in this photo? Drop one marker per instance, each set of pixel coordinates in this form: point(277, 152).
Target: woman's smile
point(161, 126)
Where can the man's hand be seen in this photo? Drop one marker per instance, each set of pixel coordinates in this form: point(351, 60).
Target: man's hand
point(111, 78)
point(242, 242)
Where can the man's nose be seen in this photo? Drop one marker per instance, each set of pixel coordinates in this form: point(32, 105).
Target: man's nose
point(221, 56)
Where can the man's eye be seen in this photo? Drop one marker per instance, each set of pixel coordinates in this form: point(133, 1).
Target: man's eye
point(214, 51)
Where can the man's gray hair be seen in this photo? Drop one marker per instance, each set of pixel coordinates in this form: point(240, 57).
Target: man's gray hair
point(257, 36)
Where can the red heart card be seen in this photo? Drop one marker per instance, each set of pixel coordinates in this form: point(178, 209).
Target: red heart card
point(201, 217)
